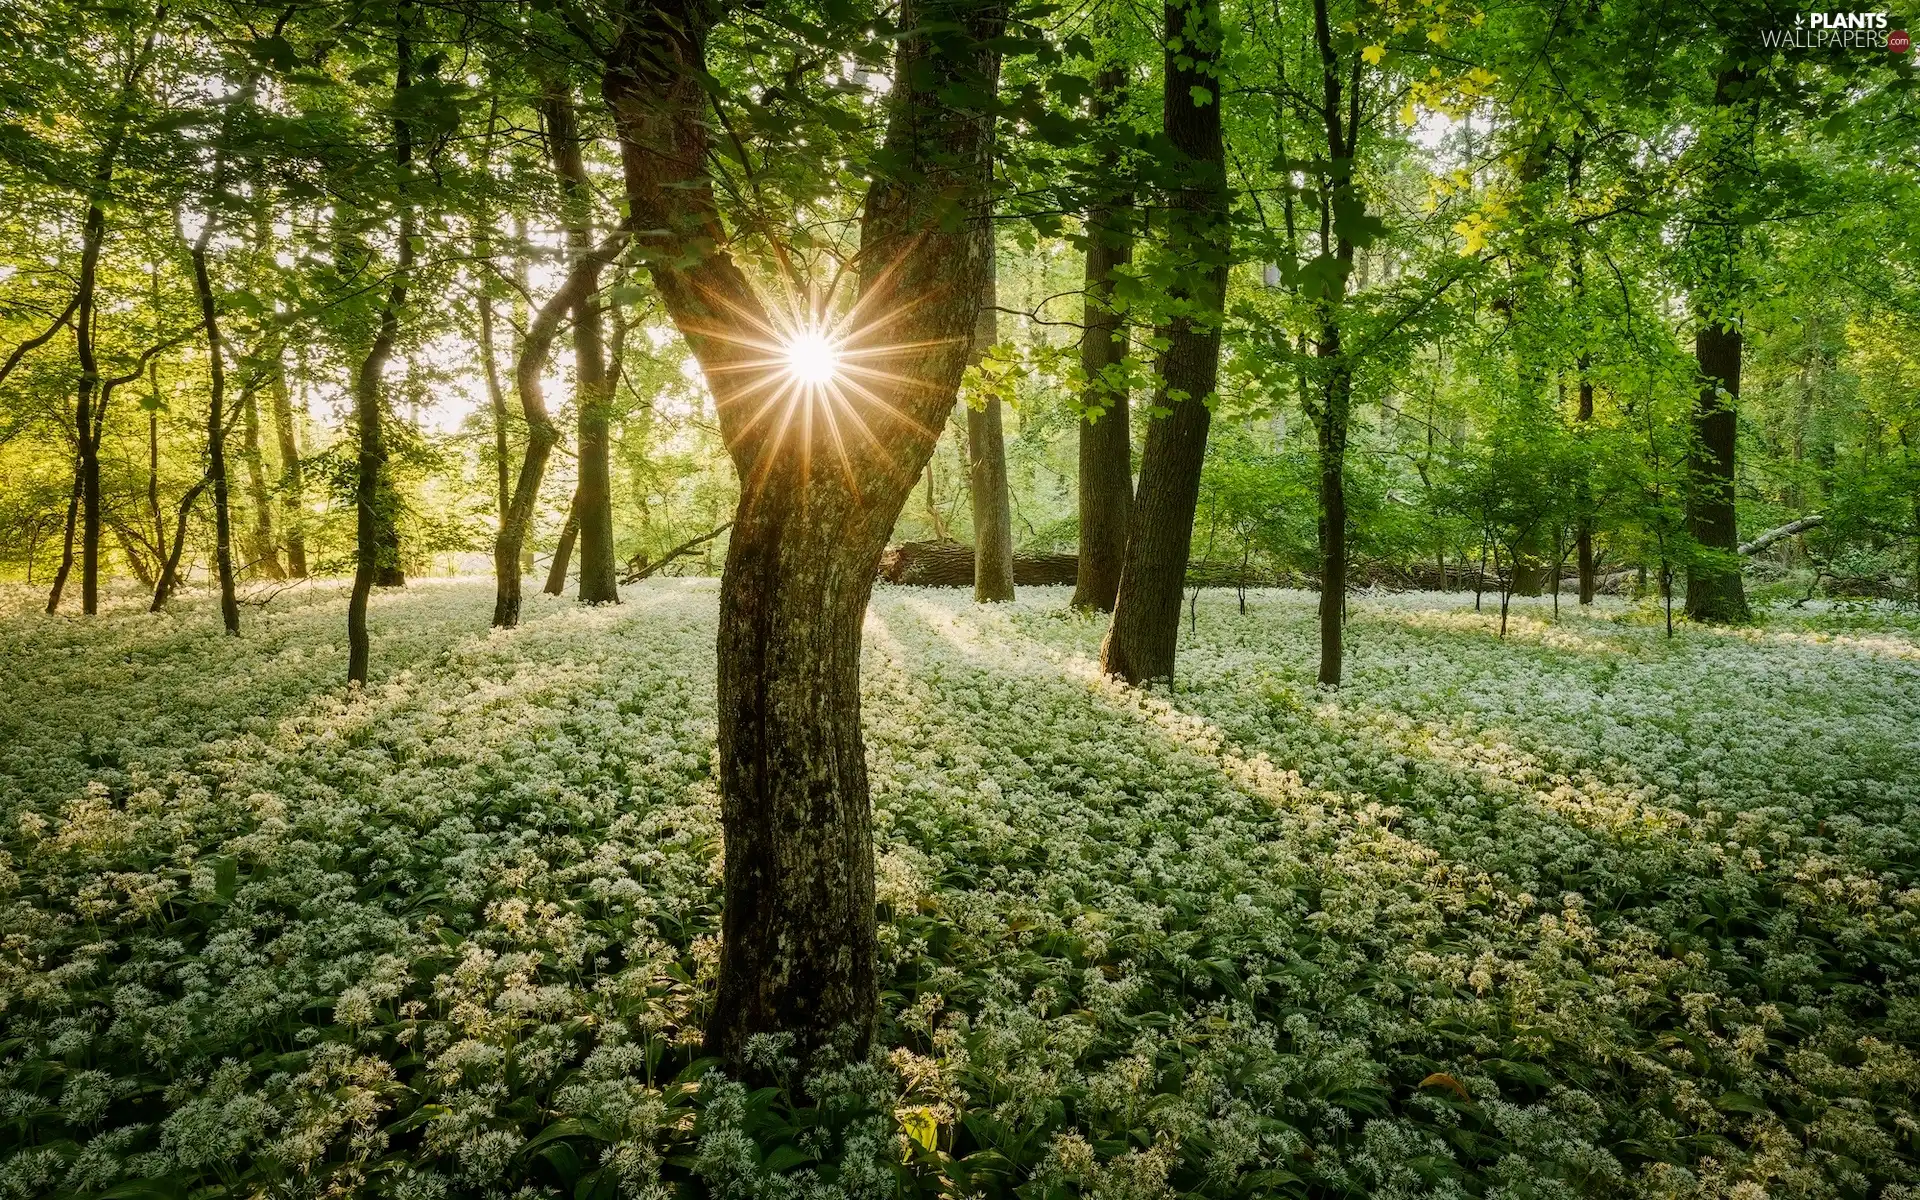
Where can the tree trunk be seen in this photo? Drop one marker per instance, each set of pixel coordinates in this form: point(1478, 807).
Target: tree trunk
point(1583, 537)
point(535, 349)
point(1332, 408)
point(88, 451)
point(563, 549)
point(1140, 641)
point(987, 467)
point(593, 501)
point(798, 934)
point(170, 569)
point(93, 237)
point(66, 553)
point(153, 461)
point(1583, 531)
point(1331, 428)
point(1106, 446)
point(266, 553)
point(1811, 521)
point(949, 564)
point(293, 478)
point(373, 528)
point(131, 551)
point(1715, 591)
point(216, 428)
point(496, 394)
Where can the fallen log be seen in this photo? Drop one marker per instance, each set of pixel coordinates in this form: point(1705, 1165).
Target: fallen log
point(950, 564)
point(1785, 531)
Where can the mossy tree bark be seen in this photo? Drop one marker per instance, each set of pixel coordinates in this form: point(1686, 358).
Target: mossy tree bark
point(798, 933)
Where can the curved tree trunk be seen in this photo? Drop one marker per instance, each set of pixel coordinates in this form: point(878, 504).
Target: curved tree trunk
point(593, 502)
point(1106, 444)
point(987, 466)
point(535, 350)
point(216, 429)
point(373, 528)
point(563, 549)
point(798, 932)
point(86, 421)
point(170, 569)
point(1140, 642)
point(66, 553)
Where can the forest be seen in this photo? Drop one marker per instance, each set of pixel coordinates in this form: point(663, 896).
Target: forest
point(804, 599)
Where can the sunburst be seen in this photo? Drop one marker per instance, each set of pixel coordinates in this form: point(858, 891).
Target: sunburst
point(804, 376)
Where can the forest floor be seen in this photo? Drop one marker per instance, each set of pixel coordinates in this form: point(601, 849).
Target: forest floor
point(1581, 911)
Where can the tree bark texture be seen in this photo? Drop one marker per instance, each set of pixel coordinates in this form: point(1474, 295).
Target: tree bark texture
point(798, 932)
point(293, 477)
point(1106, 445)
point(593, 395)
point(216, 432)
point(535, 349)
point(1332, 401)
point(563, 549)
point(582, 280)
point(86, 421)
point(1715, 591)
point(374, 520)
point(987, 467)
point(949, 564)
point(1141, 640)
point(266, 552)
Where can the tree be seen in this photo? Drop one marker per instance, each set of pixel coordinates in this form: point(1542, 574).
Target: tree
point(293, 479)
point(593, 390)
point(1140, 641)
point(1714, 588)
point(1106, 443)
point(376, 539)
point(798, 939)
point(987, 461)
point(88, 424)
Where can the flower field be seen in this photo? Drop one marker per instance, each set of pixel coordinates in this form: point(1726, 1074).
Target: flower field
point(1583, 912)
